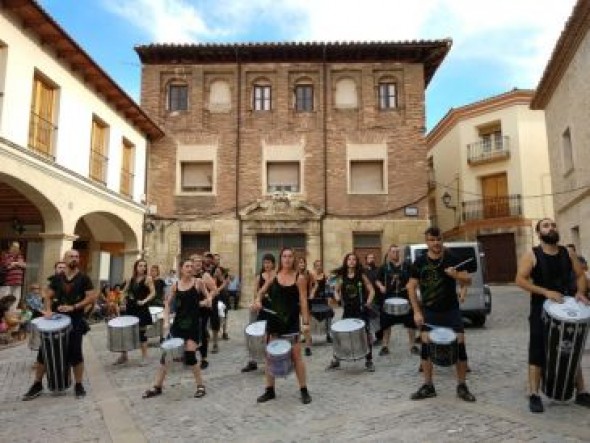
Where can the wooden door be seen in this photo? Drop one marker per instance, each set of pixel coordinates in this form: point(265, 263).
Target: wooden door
point(495, 196)
point(500, 257)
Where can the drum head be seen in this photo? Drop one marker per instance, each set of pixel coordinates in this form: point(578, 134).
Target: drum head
point(443, 336)
point(348, 325)
point(278, 347)
point(156, 310)
point(569, 311)
point(56, 323)
point(397, 301)
point(256, 329)
point(172, 343)
point(123, 321)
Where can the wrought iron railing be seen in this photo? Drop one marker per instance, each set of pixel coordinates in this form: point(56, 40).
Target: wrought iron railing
point(493, 207)
point(489, 149)
point(41, 135)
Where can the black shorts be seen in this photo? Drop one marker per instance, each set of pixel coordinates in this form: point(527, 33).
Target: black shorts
point(536, 336)
point(74, 354)
point(193, 334)
point(392, 320)
point(449, 319)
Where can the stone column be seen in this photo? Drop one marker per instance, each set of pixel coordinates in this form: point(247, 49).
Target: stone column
point(54, 247)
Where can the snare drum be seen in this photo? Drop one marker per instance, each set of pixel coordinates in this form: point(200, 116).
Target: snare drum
point(123, 334)
point(279, 358)
point(350, 341)
point(255, 334)
point(172, 349)
point(566, 330)
point(396, 306)
point(442, 343)
point(55, 339)
point(157, 326)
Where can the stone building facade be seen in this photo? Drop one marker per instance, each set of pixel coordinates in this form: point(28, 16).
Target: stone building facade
point(318, 146)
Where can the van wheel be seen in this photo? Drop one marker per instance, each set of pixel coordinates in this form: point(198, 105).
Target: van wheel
point(478, 320)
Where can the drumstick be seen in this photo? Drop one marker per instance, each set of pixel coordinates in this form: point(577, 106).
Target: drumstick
point(269, 311)
point(463, 262)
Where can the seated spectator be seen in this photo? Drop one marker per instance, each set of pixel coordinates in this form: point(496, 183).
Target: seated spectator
point(113, 301)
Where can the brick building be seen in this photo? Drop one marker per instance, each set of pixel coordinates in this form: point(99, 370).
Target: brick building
point(319, 146)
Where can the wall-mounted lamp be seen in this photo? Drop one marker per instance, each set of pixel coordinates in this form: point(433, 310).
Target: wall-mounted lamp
point(446, 199)
point(18, 226)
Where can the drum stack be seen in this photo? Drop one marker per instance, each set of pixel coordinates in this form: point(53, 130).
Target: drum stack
point(566, 330)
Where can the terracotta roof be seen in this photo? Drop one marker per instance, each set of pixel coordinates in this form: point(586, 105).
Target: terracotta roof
point(429, 52)
point(39, 22)
point(574, 32)
point(454, 115)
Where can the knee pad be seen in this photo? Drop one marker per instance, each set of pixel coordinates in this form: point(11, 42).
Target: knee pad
point(190, 358)
point(425, 352)
point(462, 352)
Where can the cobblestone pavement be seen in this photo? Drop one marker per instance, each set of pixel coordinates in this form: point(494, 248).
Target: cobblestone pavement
point(348, 404)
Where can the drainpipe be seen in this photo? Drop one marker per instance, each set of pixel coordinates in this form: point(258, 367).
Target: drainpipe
point(325, 149)
point(145, 190)
point(238, 145)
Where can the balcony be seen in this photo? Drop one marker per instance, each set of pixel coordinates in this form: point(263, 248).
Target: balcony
point(488, 150)
point(41, 136)
point(493, 207)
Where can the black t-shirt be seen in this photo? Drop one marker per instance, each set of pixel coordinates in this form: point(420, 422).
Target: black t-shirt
point(438, 290)
point(70, 292)
point(394, 277)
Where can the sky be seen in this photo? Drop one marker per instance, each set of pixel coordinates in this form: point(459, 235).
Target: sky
point(497, 45)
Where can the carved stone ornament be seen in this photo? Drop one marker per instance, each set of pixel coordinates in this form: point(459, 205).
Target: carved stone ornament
point(280, 206)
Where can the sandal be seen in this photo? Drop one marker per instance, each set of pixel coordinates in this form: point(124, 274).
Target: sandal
point(120, 361)
point(153, 392)
point(200, 391)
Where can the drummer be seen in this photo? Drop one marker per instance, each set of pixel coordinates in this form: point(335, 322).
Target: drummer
point(545, 273)
point(319, 300)
point(356, 292)
point(437, 277)
point(200, 272)
point(69, 293)
point(138, 292)
point(286, 296)
point(190, 295)
point(267, 273)
point(310, 283)
point(391, 280)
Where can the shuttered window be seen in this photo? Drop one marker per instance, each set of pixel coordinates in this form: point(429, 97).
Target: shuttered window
point(197, 176)
point(98, 151)
point(41, 125)
point(282, 176)
point(366, 176)
point(127, 168)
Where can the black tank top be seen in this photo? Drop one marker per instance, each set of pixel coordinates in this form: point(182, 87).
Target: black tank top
point(138, 290)
point(321, 290)
point(284, 301)
point(187, 308)
point(551, 272)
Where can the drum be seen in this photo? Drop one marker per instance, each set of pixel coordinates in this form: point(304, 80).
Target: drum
point(442, 343)
point(157, 326)
point(54, 336)
point(172, 349)
point(566, 330)
point(319, 314)
point(34, 338)
point(278, 353)
point(123, 334)
point(350, 339)
point(396, 306)
point(255, 334)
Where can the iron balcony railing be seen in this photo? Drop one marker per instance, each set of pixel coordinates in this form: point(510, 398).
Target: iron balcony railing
point(489, 149)
point(493, 207)
point(41, 135)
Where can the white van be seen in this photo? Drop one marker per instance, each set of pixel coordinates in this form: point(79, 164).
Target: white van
point(478, 302)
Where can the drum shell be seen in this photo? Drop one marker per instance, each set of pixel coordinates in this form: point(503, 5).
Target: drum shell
point(279, 365)
point(443, 354)
point(350, 345)
point(396, 309)
point(34, 338)
point(54, 346)
point(156, 329)
point(564, 345)
point(170, 354)
point(256, 344)
point(123, 338)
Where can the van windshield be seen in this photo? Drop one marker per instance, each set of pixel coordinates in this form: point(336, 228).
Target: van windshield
point(461, 253)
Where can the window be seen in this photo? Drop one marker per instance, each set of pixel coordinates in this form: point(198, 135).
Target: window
point(387, 96)
point(194, 243)
point(304, 98)
point(262, 98)
point(41, 125)
point(196, 176)
point(366, 177)
point(127, 168)
point(177, 97)
point(282, 176)
point(568, 158)
point(346, 95)
point(98, 151)
point(219, 96)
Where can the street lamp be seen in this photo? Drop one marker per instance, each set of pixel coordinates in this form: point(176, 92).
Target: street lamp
point(446, 199)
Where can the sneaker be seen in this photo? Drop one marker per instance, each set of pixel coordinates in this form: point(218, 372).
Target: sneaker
point(334, 364)
point(583, 399)
point(536, 404)
point(384, 351)
point(328, 339)
point(34, 391)
point(464, 394)
point(224, 336)
point(369, 366)
point(251, 366)
point(308, 352)
point(425, 391)
point(215, 349)
point(79, 390)
point(305, 397)
point(204, 364)
point(269, 394)
point(415, 350)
